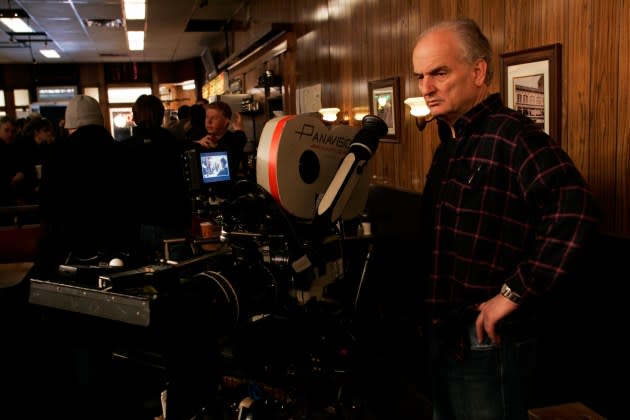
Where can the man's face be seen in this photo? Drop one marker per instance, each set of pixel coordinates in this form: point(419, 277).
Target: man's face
point(450, 85)
point(216, 123)
point(7, 132)
point(44, 135)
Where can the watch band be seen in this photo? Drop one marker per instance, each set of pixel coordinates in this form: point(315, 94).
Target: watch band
point(507, 292)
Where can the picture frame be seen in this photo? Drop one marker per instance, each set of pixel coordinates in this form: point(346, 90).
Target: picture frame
point(236, 85)
point(384, 97)
point(531, 82)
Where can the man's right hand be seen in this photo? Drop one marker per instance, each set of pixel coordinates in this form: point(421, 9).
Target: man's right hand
point(208, 142)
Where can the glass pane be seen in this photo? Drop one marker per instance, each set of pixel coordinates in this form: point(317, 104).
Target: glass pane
point(21, 97)
point(92, 91)
point(126, 95)
point(121, 120)
point(55, 93)
point(22, 113)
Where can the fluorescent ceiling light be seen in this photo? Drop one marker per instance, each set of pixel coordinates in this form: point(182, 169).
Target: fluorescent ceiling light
point(16, 24)
point(50, 53)
point(135, 40)
point(134, 9)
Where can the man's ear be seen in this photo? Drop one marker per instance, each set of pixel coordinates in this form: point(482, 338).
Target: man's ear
point(480, 69)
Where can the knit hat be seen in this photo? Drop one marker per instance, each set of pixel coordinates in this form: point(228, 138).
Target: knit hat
point(83, 110)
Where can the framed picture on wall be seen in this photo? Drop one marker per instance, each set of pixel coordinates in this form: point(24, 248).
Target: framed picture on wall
point(385, 103)
point(236, 85)
point(531, 83)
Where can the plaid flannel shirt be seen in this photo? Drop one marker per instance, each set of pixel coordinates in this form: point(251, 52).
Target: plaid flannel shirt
point(511, 208)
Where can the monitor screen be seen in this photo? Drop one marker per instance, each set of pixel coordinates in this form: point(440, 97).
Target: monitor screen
point(214, 167)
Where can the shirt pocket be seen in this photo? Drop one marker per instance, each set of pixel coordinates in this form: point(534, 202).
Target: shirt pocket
point(465, 185)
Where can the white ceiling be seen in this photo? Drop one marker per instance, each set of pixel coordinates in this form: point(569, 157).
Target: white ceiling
point(167, 38)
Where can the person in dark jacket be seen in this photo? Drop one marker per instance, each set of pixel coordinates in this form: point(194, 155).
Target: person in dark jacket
point(34, 144)
point(196, 125)
point(84, 193)
point(13, 166)
point(84, 209)
point(161, 199)
point(164, 212)
point(223, 133)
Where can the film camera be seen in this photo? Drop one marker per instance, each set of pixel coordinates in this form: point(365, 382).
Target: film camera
point(285, 287)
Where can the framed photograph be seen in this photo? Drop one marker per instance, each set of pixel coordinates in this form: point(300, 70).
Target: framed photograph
point(236, 85)
point(385, 103)
point(531, 83)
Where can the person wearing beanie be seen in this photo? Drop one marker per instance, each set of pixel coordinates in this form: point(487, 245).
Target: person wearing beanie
point(84, 199)
point(83, 110)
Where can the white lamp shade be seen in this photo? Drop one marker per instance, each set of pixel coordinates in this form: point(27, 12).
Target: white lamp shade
point(329, 114)
point(418, 106)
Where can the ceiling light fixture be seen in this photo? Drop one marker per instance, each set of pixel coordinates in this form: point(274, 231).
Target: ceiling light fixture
point(189, 85)
point(15, 19)
point(135, 40)
point(135, 9)
point(48, 53)
point(135, 13)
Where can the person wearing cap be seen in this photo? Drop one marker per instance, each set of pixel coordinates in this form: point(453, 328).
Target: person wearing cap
point(83, 199)
point(83, 190)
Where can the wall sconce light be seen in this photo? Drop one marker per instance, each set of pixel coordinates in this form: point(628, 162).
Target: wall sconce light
point(420, 110)
point(360, 112)
point(329, 114)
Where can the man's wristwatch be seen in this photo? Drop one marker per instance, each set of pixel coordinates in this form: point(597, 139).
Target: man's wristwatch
point(507, 292)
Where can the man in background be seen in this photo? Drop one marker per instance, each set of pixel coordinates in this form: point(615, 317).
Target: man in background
point(222, 136)
point(13, 166)
point(85, 201)
point(161, 203)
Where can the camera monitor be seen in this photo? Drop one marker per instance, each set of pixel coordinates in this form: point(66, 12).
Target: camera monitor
point(214, 167)
point(207, 170)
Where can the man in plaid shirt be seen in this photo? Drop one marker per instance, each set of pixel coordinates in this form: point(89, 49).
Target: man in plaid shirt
point(507, 214)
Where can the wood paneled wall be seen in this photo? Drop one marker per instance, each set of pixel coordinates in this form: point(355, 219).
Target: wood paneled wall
point(343, 44)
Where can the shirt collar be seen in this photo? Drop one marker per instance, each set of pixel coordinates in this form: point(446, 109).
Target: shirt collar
point(474, 115)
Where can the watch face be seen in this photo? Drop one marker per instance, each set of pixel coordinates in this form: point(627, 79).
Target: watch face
point(507, 292)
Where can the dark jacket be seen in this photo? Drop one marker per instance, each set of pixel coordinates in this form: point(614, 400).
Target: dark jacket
point(161, 195)
point(234, 142)
point(85, 199)
point(12, 161)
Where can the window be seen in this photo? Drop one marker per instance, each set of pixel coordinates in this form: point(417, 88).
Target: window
point(93, 92)
point(126, 95)
point(3, 112)
point(55, 93)
point(22, 103)
point(22, 98)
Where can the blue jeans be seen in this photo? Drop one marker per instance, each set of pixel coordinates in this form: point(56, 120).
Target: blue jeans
point(490, 383)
